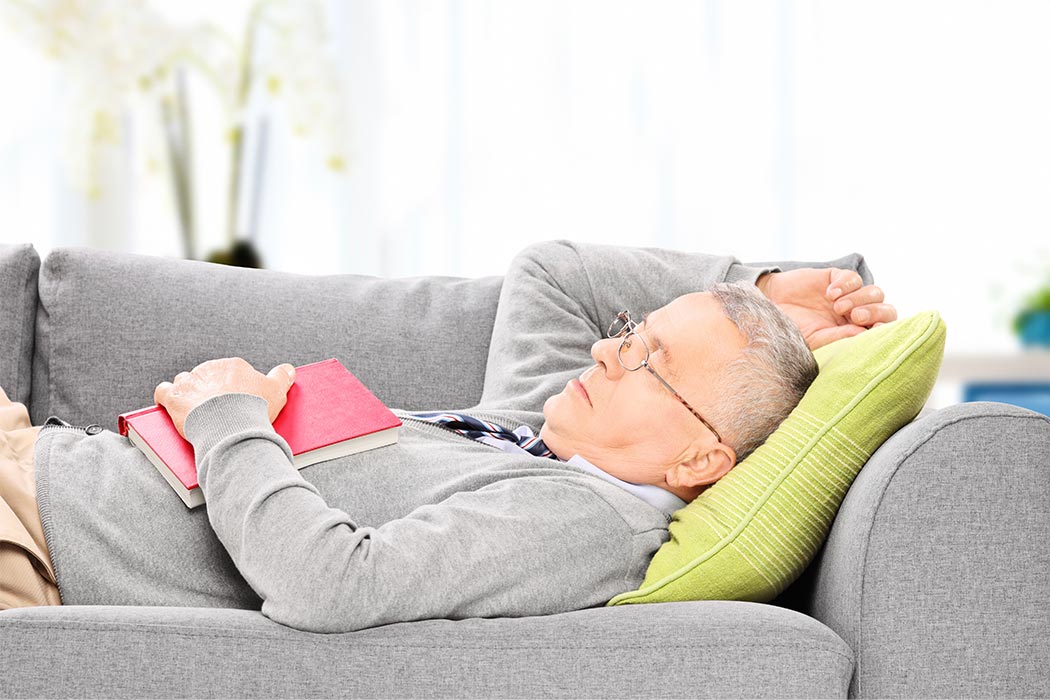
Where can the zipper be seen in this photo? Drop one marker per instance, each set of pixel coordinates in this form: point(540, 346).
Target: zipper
point(56, 422)
point(439, 429)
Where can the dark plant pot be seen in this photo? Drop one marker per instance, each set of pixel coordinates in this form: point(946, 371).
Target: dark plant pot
point(240, 254)
point(1035, 330)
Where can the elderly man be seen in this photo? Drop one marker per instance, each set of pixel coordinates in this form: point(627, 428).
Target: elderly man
point(552, 494)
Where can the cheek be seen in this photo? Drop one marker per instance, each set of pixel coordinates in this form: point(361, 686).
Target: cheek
point(652, 417)
point(628, 416)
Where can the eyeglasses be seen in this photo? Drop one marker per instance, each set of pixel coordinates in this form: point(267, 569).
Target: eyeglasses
point(633, 356)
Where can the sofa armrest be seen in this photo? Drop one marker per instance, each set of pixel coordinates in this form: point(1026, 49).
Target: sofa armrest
point(19, 270)
point(936, 568)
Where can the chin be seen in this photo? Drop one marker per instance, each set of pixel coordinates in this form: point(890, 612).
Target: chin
point(550, 406)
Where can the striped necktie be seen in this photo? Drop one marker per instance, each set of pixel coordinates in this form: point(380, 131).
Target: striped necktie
point(476, 428)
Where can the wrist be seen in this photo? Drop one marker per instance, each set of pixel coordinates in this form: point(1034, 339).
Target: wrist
point(763, 282)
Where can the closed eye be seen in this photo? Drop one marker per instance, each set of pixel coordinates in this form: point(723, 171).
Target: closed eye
point(654, 340)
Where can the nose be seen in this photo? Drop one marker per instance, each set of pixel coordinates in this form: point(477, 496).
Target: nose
point(604, 353)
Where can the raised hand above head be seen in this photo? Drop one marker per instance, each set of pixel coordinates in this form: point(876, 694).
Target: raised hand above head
point(827, 303)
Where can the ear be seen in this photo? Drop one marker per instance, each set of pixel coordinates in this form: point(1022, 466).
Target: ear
point(702, 470)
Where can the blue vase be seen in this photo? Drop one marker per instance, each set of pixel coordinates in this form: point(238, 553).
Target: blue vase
point(1035, 331)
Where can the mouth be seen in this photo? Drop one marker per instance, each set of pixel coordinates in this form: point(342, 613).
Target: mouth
point(578, 386)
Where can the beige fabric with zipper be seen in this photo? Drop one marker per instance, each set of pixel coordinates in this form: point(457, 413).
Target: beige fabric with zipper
point(26, 574)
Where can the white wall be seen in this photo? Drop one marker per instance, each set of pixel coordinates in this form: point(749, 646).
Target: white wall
point(914, 132)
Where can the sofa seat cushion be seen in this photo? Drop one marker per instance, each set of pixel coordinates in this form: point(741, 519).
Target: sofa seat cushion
point(753, 533)
point(708, 649)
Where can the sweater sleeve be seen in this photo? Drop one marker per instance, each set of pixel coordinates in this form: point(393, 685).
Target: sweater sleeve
point(559, 297)
point(515, 547)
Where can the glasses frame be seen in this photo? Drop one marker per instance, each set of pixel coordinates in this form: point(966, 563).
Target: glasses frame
point(624, 327)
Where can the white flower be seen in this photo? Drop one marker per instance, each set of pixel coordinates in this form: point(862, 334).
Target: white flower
point(121, 56)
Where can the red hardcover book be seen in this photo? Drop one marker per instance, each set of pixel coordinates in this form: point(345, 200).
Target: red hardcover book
point(329, 414)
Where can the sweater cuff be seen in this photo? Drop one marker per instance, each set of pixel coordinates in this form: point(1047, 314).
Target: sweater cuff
point(222, 416)
point(744, 273)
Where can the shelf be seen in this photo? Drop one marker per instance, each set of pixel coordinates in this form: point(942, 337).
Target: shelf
point(1020, 366)
point(1021, 378)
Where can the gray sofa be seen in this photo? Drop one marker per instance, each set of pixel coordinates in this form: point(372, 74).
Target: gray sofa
point(933, 583)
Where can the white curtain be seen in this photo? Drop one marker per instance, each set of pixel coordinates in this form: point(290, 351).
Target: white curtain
point(915, 132)
point(492, 124)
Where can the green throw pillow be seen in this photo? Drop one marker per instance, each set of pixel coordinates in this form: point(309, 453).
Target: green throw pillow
point(753, 533)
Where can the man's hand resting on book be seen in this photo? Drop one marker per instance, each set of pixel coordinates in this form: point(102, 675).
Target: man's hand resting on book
point(231, 375)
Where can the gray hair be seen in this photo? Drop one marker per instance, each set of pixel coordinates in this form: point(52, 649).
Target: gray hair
point(765, 383)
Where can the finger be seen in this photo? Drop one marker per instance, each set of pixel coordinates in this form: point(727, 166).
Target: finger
point(161, 393)
point(830, 335)
point(284, 374)
point(871, 314)
point(181, 377)
point(843, 282)
point(868, 294)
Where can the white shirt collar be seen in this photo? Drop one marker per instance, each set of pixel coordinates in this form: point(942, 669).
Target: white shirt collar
point(658, 498)
point(661, 499)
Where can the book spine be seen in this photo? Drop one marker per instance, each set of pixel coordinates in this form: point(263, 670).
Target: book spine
point(122, 419)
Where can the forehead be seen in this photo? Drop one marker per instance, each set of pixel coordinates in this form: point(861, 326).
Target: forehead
point(698, 333)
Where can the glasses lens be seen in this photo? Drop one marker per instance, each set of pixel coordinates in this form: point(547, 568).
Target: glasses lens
point(633, 352)
point(620, 325)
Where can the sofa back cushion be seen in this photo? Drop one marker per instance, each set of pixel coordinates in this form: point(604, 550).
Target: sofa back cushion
point(19, 267)
point(111, 326)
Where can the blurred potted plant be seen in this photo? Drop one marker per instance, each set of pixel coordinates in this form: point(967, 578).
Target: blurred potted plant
point(1032, 322)
point(121, 54)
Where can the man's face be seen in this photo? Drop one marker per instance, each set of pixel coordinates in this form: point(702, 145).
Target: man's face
point(628, 423)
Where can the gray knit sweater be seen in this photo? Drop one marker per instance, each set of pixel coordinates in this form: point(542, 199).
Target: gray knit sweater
point(436, 526)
